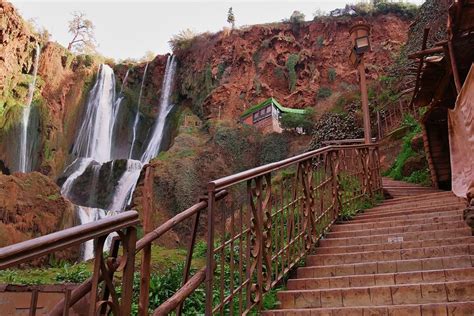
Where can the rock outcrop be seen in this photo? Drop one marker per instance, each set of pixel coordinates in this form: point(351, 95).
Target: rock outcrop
point(222, 74)
point(31, 205)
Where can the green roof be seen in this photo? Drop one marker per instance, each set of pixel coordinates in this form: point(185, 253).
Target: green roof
point(273, 101)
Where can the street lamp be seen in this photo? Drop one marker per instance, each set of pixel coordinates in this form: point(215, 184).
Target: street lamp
point(359, 33)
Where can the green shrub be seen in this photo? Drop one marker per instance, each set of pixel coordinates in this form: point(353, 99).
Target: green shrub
point(324, 92)
point(73, 273)
point(290, 66)
point(183, 40)
point(274, 147)
point(320, 41)
point(297, 17)
point(331, 74)
point(395, 171)
point(291, 121)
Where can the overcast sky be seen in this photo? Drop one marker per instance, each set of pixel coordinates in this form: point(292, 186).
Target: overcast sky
point(130, 28)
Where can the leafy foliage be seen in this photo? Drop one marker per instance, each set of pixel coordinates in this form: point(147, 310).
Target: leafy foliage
point(290, 66)
point(292, 121)
point(231, 17)
point(73, 273)
point(396, 170)
point(334, 126)
point(324, 92)
point(331, 74)
point(274, 147)
point(183, 40)
point(297, 17)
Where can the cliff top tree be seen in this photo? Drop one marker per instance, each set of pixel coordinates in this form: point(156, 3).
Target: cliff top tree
point(82, 29)
point(231, 17)
point(297, 17)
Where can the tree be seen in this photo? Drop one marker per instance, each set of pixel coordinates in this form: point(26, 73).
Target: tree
point(231, 17)
point(297, 17)
point(82, 29)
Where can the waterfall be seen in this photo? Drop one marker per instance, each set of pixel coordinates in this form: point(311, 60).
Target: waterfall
point(89, 215)
point(126, 186)
point(25, 146)
point(154, 143)
point(78, 166)
point(93, 145)
point(137, 115)
point(94, 139)
point(120, 97)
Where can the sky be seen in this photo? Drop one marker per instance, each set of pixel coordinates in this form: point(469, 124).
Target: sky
point(128, 29)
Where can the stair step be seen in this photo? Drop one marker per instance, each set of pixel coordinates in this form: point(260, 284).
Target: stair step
point(450, 309)
point(349, 226)
point(397, 229)
point(390, 255)
point(412, 211)
point(401, 217)
point(393, 266)
point(425, 293)
point(414, 205)
point(412, 277)
point(388, 238)
point(395, 245)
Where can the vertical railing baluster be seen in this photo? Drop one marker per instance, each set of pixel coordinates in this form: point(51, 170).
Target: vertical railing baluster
point(146, 256)
point(33, 302)
point(98, 251)
point(210, 250)
point(189, 256)
point(127, 277)
point(67, 298)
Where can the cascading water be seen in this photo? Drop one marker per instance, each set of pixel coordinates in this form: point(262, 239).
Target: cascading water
point(94, 144)
point(137, 115)
point(154, 144)
point(94, 139)
point(120, 97)
point(25, 146)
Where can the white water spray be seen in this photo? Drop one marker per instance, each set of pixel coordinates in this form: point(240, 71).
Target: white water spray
point(137, 115)
point(95, 135)
point(154, 143)
point(25, 146)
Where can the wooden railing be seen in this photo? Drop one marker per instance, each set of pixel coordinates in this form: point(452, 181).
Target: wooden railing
point(391, 117)
point(274, 215)
point(260, 224)
point(124, 225)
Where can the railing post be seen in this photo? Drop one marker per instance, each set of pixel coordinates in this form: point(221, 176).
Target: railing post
point(334, 156)
point(127, 277)
point(210, 249)
point(306, 175)
point(146, 257)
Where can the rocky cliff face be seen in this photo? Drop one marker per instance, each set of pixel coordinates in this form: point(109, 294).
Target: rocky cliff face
point(61, 88)
point(31, 206)
point(220, 75)
point(300, 65)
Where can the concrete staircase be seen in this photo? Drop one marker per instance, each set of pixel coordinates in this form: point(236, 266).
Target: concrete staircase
point(395, 189)
point(411, 255)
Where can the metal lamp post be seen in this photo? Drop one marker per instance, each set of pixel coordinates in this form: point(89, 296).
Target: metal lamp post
point(360, 44)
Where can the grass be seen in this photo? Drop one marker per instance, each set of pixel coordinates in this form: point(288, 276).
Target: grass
point(162, 259)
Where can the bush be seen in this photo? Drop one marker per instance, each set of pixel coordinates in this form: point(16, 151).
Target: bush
point(324, 92)
point(290, 65)
point(421, 176)
point(320, 41)
point(292, 121)
point(73, 273)
point(274, 147)
point(183, 40)
point(332, 74)
point(297, 17)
